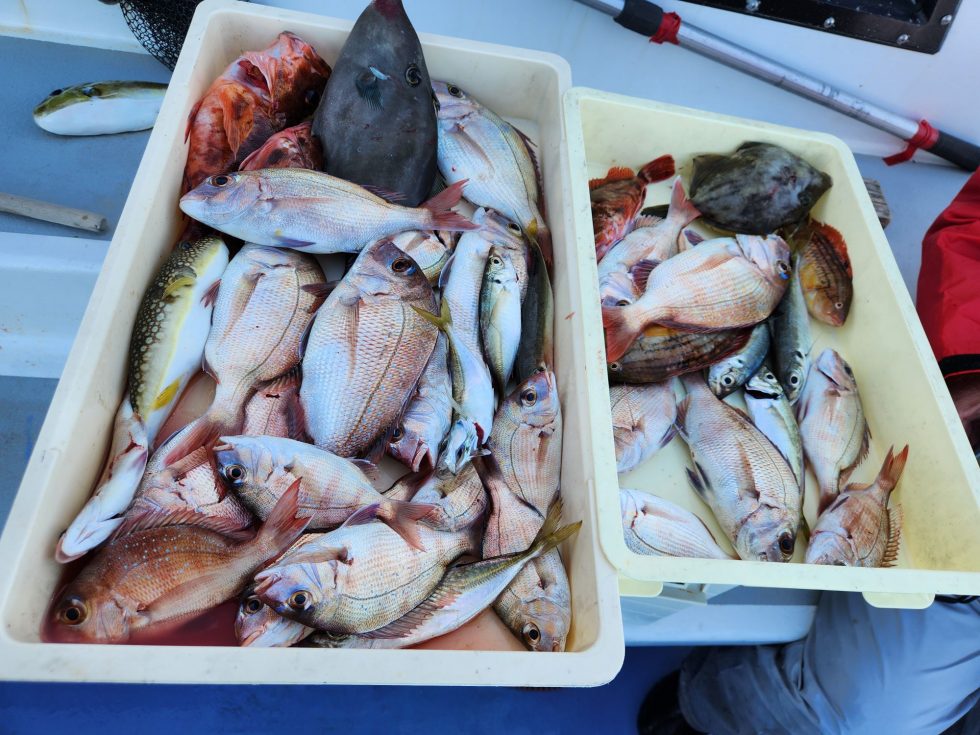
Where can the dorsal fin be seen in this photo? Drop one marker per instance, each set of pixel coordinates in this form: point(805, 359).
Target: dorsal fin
point(895, 518)
point(616, 173)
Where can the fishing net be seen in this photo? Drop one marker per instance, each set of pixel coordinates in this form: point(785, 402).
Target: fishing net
point(160, 25)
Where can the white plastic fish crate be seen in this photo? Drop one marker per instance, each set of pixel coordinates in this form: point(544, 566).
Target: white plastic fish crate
point(525, 86)
point(902, 391)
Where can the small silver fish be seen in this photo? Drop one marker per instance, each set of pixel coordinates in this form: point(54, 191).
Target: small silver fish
point(773, 416)
point(791, 339)
point(500, 316)
point(731, 373)
point(653, 526)
point(643, 421)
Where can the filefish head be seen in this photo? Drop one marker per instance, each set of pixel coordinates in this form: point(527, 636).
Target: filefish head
point(86, 612)
point(452, 103)
point(836, 369)
point(769, 534)
point(543, 625)
point(222, 198)
point(259, 625)
point(299, 591)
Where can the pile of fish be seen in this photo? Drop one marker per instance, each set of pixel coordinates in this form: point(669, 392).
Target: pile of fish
point(725, 310)
point(433, 347)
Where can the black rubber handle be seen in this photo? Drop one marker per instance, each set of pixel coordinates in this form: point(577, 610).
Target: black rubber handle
point(953, 149)
point(641, 16)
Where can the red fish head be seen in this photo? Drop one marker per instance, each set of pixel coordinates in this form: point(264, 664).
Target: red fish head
point(85, 613)
point(292, 72)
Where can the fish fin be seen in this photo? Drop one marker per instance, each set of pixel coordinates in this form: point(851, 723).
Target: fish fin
point(395, 197)
point(403, 519)
point(657, 170)
point(284, 524)
point(620, 335)
point(616, 173)
point(166, 395)
point(237, 119)
point(667, 437)
point(312, 556)
point(441, 216)
point(169, 604)
point(296, 421)
point(681, 208)
point(183, 281)
point(211, 295)
point(444, 274)
point(148, 520)
point(368, 88)
point(704, 165)
point(680, 419)
point(191, 116)
point(640, 272)
point(293, 243)
point(370, 469)
point(646, 220)
point(895, 520)
point(696, 483)
point(693, 237)
point(865, 446)
point(321, 291)
point(203, 433)
point(363, 515)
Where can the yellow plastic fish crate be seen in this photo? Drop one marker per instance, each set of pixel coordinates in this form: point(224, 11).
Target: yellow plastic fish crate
point(525, 86)
point(902, 390)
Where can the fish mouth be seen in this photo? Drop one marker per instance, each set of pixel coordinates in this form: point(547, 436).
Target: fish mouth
point(251, 638)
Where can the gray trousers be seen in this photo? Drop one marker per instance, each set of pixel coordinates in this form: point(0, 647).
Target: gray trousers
point(860, 670)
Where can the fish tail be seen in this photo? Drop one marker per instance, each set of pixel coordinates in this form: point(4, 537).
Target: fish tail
point(620, 333)
point(550, 535)
point(219, 420)
point(682, 209)
point(439, 210)
point(283, 526)
point(403, 518)
point(657, 170)
point(443, 322)
point(827, 496)
point(892, 468)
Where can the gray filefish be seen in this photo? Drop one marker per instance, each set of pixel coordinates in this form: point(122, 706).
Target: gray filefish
point(261, 314)
point(376, 120)
point(494, 158)
point(772, 414)
point(720, 284)
point(731, 373)
point(367, 350)
point(100, 108)
point(738, 472)
point(832, 424)
point(756, 190)
point(500, 316)
point(653, 526)
point(259, 468)
point(791, 339)
point(642, 421)
point(311, 211)
point(415, 442)
point(165, 351)
point(858, 529)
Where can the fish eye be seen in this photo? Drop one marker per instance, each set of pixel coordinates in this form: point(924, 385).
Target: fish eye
point(529, 396)
point(838, 305)
point(73, 613)
point(413, 76)
point(805, 198)
point(531, 633)
point(401, 265)
point(311, 97)
point(728, 381)
point(220, 180)
point(615, 367)
point(847, 369)
point(455, 91)
point(514, 228)
point(783, 267)
point(90, 91)
point(234, 473)
point(794, 380)
point(623, 302)
point(298, 600)
point(787, 543)
point(495, 260)
point(56, 92)
point(396, 434)
point(253, 605)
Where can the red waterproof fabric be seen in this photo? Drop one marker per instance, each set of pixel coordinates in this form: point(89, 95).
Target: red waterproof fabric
point(948, 294)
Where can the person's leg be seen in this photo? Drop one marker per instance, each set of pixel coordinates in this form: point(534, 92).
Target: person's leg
point(859, 670)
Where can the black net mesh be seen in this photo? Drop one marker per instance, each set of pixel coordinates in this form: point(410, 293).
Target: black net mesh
point(160, 25)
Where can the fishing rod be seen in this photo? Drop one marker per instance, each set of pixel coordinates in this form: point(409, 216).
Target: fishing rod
point(661, 27)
